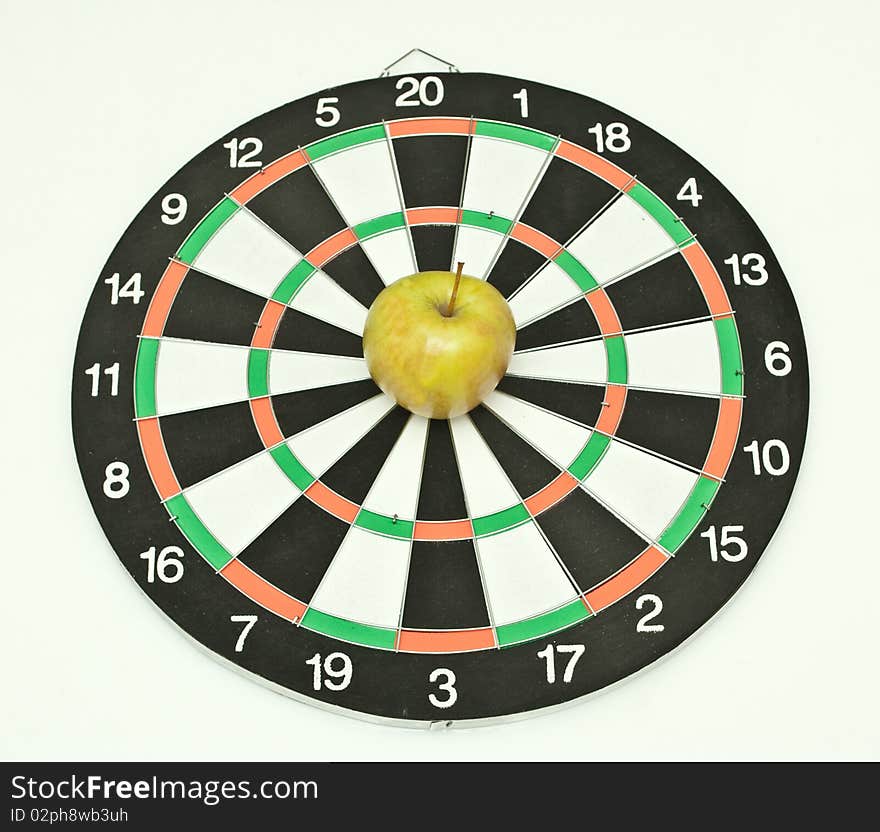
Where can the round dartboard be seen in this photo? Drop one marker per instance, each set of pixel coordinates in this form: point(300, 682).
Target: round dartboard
point(590, 514)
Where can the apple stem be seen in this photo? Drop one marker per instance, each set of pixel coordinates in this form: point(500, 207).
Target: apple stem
point(452, 297)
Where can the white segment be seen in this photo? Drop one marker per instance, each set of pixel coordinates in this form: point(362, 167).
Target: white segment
point(486, 487)
point(523, 578)
point(322, 297)
point(290, 371)
point(644, 489)
point(556, 437)
point(191, 375)
point(361, 181)
point(366, 580)
point(391, 255)
point(549, 288)
point(679, 358)
point(319, 446)
point(245, 252)
point(584, 362)
point(396, 488)
point(500, 175)
point(237, 504)
point(476, 248)
point(623, 238)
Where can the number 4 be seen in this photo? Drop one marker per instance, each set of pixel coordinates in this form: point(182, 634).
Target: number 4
point(689, 193)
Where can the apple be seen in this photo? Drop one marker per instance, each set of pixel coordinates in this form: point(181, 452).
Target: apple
point(434, 358)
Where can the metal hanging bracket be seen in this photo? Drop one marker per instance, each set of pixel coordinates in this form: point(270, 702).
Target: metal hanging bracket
point(417, 60)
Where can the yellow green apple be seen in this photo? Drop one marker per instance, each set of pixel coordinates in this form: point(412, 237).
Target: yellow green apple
point(434, 363)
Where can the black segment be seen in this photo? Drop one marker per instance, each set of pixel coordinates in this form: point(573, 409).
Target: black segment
point(441, 496)
point(431, 169)
point(295, 551)
point(514, 266)
point(354, 474)
point(662, 293)
point(589, 539)
point(300, 410)
point(433, 246)
point(303, 333)
point(566, 198)
point(298, 208)
point(675, 425)
point(202, 442)
point(527, 469)
point(570, 323)
point(355, 273)
point(444, 591)
point(207, 309)
point(581, 402)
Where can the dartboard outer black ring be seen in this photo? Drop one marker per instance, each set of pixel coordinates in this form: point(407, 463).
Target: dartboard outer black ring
point(395, 686)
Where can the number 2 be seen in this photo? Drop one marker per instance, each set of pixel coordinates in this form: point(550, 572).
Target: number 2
point(657, 607)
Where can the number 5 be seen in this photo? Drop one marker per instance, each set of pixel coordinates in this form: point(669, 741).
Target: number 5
point(326, 115)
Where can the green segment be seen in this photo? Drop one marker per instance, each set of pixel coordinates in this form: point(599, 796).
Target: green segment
point(588, 458)
point(205, 543)
point(370, 228)
point(689, 517)
point(258, 373)
point(576, 271)
point(288, 287)
point(205, 230)
point(145, 378)
point(330, 625)
point(295, 470)
point(731, 356)
point(383, 524)
point(515, 134)
point(541, 625)
point(500, 520)
point(615, 352)
point(658, 209)
point(344, 140)
point(490, 221)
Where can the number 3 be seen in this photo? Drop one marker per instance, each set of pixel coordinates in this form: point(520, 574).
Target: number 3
point(447, 687)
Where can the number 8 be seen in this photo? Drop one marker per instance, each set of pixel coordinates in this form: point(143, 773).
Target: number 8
point(116, 484)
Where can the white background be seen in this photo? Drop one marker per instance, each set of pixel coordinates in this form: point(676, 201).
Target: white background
point(102, 101)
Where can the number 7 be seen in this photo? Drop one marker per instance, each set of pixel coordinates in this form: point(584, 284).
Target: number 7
point(248, 621)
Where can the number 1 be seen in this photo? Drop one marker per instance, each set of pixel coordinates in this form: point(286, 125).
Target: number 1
point(523, 97)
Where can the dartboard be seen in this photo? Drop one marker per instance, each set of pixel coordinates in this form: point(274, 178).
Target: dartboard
point(593, 511)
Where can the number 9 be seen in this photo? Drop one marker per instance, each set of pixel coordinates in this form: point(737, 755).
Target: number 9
point(173, 208)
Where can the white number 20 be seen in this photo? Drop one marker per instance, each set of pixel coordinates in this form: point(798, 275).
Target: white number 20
point(428, 91)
